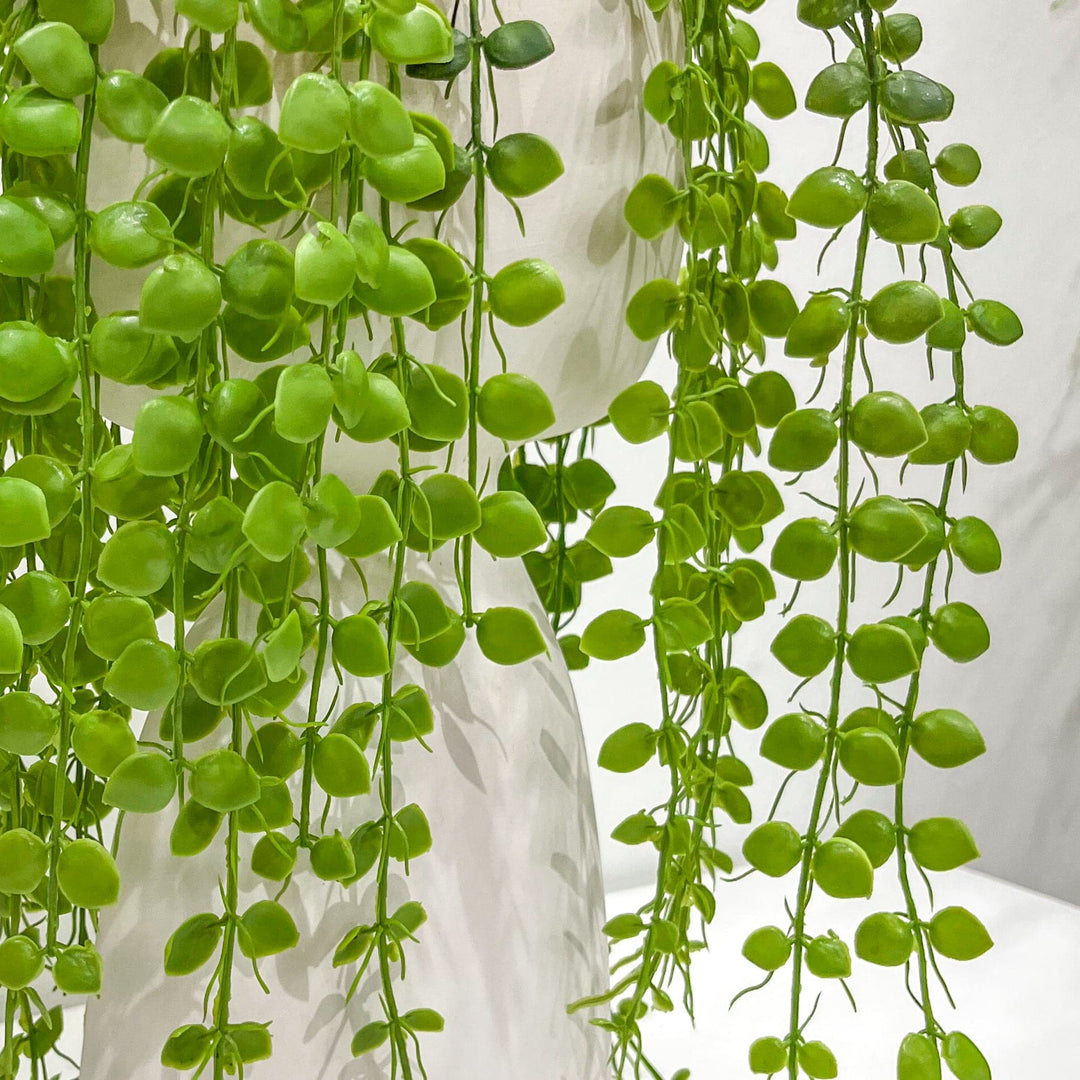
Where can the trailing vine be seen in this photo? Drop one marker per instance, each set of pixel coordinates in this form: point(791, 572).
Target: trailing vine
point(872, 745)
point(222, 513)
point(223, 501)
point(718, 314)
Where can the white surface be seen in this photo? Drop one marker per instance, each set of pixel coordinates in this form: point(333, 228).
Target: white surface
point(1017, 1002)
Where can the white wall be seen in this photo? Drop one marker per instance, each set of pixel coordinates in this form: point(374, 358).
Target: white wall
point(1015, 71)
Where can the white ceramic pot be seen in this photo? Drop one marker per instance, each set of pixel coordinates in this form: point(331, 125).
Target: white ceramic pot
point(513, 886)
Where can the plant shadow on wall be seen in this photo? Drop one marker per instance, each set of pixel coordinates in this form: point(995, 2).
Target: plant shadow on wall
point(224, 517)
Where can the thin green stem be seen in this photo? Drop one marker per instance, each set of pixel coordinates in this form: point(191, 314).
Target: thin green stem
point(911, 701)
point(386, 745)
point(335, 325)
point(88, 420)
point(472, 365)
point(845, 555)
point(384, 753)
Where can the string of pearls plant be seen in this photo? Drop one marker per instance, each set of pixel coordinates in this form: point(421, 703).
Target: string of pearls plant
point(718, 315)
point(222, 508)
point(220, 497)
point(871, 745)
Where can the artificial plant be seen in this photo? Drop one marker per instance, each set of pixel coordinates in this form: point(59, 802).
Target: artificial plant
point(220, 496)
point(712, 501)
point(720, 330)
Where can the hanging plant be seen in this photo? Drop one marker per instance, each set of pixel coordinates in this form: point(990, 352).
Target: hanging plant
point(213, 508)
point(215, 565)
point(894, 201)
point(712, 504)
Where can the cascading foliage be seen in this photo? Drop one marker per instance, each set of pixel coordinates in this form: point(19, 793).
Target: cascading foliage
point(716, 330)
point(713, 503)
point(221, 505)
point(846, 330)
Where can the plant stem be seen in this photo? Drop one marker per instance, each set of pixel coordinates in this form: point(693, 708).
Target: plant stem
point(845, 556)
point(386, 746)
point(88, 421)
point(472, 364)
point(911, 701)
point(384, 753)
point(331, 338)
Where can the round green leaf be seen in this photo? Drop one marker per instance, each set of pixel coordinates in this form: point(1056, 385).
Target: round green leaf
point(870, 757)
point(842, 869)
point(774, 848)
point(946, 738)
point(958, 934)
point(805, 645)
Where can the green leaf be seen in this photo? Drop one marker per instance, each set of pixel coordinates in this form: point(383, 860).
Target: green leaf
point(903, 312)
point(423, 1020)
point(828, 198)
point(880, 653)
point(192, 944)
point(805, 645)
point(842, 869)
point(805, 550)
point(959, 632)
point(995, 322)
point(958, 164)
point(840, 90)
point(817, 1060)
point(873, 832)
point(370, 1037)
point(828, 957)
point(946, 738)
point(653, 309)
point(771, 91)
point(885, 529)
point(683, 625)
point(976, 545)
point(640, 413)
point(636, 829)
point(870, 757)
point(613, 635)
point(519, 44)
point(628, 749)
point(958, 934)
point(964, 1058)
point(804, 440)
point(773, 848)
point(769, 948)
point(768, 1055)
point(942, 843)
point(825, 14)
point(621, 531)
point(885, 939)
point(902, 213)
point(918, 1058)
point(652, 206)
point(622, 927)
point(412, 836)
point(974, 227)
point(794, 741)
point(509, 636)
point(911, 98)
